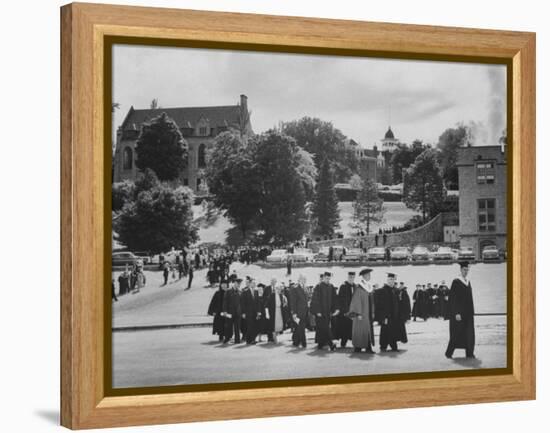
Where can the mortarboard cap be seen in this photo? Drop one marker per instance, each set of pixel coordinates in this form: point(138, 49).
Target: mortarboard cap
point(391, 275)
point(365, 271)
point(464, 264)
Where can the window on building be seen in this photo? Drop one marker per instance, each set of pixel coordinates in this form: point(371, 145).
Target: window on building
point(127, 158)
point(486, 214)
point(202, 155)
point(199, 182)
point(202, 130)
point(185, 181)
point(485, 172)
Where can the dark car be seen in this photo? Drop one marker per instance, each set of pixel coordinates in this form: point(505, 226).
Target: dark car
point(124, 258)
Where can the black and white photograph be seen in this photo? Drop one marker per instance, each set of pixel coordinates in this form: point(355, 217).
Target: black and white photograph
point(280, 216)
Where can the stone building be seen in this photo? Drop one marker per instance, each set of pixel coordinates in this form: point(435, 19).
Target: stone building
point(389, 142)
point(198, 125)
point(482, 184)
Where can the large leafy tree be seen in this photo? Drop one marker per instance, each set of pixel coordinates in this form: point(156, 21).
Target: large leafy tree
point(282, 215)
point(448, 144)
point(324, 141)
point(324, 211)
point(161, 148)
point(425, 189)
point(160, 218)
point(368, 206)
point(233, 180)
point(122, 193)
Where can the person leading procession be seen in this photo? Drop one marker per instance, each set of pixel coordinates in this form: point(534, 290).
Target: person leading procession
point(461, 312)
point(249, 309)
point(215, 309)
point(343, 322)
point(361, 312)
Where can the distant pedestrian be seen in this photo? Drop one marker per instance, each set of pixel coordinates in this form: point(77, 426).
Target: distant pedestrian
point(289, 265)
point(384, 238)
point(190, 275)
point(376, 240)
point(166, 273)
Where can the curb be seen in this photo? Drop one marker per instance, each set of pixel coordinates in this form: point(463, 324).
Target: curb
point(209, 324)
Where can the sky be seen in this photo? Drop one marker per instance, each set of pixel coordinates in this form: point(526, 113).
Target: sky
point(360, 96)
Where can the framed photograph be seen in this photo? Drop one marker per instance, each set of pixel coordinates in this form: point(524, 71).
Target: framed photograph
point(271, 216)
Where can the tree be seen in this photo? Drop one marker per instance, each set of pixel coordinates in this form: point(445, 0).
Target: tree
point(161, 148)
point(122, 193)
point(147, 180)
point(448, 144)
point(425, 190)
point(154, 104)
point(324, 141)
point(282, 216)
point(233, 180)
point(324, 211)
point(159, 219)
point(367, 207)
point(308, 172)
point(402, 157)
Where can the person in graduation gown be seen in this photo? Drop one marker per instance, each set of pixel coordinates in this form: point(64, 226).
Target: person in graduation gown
point(323, 306)
point(215, 309)
point(417, 306)
point(361, 312)
point(231, 310)
point(445, 291)
point(298, 304)
point(343, 322)
point(249, 311)
point(461, 312)
point(261, 322)
point(387, 314)
point(404, 312)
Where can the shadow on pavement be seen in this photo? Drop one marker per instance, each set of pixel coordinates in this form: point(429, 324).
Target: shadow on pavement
point(468, 362)
point(361, 355)
point(391, 354)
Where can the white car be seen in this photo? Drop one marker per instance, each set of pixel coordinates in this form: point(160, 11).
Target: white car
point(400, 253)
point(353, 254)
point(444, 253)
point(277, 256)
point(302, 255)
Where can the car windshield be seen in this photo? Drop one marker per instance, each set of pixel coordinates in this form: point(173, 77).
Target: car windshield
point(420, 250)
point(490, 248)
point(400, 249)
point(444, 250)
point(376, 250)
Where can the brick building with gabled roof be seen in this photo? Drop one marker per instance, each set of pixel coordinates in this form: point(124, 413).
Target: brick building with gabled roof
point(198, 125)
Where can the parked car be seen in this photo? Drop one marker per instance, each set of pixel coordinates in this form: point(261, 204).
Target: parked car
point(466, 253)
point(443, 253)
point(302, 255)
point(124, 258)
point(420, 253)
point(490, 252)
point(337, 252)
point(400, 253)
point(277, 256)
point(353, 255)
point(144, 256)
point(376, 253)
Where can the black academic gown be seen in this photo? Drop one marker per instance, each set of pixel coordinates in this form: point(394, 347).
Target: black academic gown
point(462, 332)
point(232, 308)
point(215, 309)
point(249, 307)
point(343, 323)
point(404, 314)
point(323, 304)
point(387, 314)
point(297, 300)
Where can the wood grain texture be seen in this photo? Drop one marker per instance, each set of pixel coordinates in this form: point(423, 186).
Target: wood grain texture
point(84, 26)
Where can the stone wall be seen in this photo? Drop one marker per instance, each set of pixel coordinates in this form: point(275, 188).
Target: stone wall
point(431, 232)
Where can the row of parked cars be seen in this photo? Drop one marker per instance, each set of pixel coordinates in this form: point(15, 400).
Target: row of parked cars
point(419, 253)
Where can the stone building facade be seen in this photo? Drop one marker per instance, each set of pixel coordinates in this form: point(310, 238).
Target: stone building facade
point(198, 125)
point(482, 201)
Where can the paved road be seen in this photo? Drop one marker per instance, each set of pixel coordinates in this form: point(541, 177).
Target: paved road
point(191, 356)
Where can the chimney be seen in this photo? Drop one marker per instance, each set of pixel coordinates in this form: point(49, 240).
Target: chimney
point(244, 102)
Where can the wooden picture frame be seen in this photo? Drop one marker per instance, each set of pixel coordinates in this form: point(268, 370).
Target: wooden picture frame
point(85, 218)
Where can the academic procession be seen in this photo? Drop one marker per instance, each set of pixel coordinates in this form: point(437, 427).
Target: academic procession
point(247, 311)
